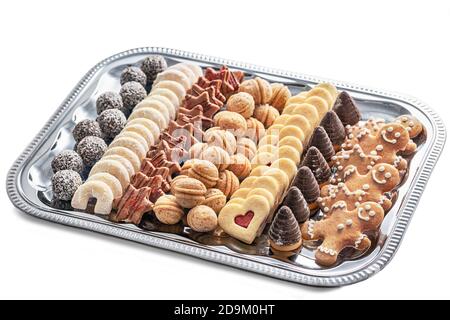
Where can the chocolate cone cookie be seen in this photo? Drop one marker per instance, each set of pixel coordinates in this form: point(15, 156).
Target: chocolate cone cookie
point(318, 165)
point(307, 183)
point(334, 128)
point(296, 202)
point(284, 233)
point(321, 141)
point(346, 109)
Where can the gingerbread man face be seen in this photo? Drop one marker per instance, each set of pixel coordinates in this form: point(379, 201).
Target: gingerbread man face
point(357, 188)
point(387, 142)
point(345, 228)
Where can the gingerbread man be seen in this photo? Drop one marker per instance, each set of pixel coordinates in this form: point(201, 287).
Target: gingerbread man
point(391, 139)
point(358, 188)
point(345, 228)
point(356, 156)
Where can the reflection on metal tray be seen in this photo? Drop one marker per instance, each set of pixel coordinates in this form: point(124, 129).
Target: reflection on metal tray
point(29, 188)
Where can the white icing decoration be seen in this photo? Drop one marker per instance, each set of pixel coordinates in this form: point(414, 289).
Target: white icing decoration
point(390, 129)
point(372, 213)
point(359, 240)
point(360, 215)
point(374, 177)
point(366, 187)
point(340, 227)
point(388, 175)
point(397, 134)
point(311, 224)
point(328, 251)
point(385, 138)
point(379, 147)
point(381, 169)
point(349, 222)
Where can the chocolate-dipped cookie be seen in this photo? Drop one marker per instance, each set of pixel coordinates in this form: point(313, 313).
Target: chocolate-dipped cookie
point(334, 128)
point(307, 183)
point(346, 109)
point(284, 233)
point(321, 141)
point(318, 165)
point(296, 202)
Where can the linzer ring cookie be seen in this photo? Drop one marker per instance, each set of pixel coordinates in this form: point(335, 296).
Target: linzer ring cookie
point(323, 93)
point(293, 142)
point(114, 168)
point(173, 86)
point(130, 143)
point(309, 112)
point(262, 192)
point(125, 153)
point(243, 220)
point(320, 104)
point(292, 131)
point(94, 189)
point(287, 165)
point(289, 153)
point(301, 122)
point(112, 182)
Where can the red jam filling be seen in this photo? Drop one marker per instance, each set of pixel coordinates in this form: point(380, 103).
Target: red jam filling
point(245, 219)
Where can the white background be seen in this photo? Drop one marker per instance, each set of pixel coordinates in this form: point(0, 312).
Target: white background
point(47, 46)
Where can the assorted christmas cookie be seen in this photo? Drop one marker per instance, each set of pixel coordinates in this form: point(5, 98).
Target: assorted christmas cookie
point(214, 152)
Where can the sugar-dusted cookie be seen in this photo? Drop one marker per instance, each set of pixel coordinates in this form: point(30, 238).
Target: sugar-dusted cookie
point(150, 114)
point(124, 161)
point(142, 131)
point(173, 86)
point(129, 143)
point(112, 182)
point(154, 104)
point(135, 136)
point(125, 153)
point(173, 75)
point(358, 188)
point(149, 124)
point(113, 167)
point(243, 220)
point(345, 228)
point(94, 189)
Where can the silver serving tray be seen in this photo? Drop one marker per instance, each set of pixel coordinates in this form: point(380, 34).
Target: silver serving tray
point(28, 181)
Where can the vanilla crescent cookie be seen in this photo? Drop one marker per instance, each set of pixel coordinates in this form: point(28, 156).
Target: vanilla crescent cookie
point(173, 75)
point(94, 189)
point(125, 153)
point(124, 161)
point(142, 131)
point(186, 70)
point(113, 167)
point(150, 114)
point(156, 105)
point(169, 94)
point(149, 124)
point(173, 86)
point(171, 108)
point(134, 135)
point(112, 182)
point(130, 143)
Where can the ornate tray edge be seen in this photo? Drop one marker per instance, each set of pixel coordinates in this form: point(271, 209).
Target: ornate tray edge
point(404, 217)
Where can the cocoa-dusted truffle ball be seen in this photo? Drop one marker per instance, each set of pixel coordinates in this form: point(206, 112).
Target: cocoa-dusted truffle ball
point(133, 74)
point(67, 160)
point(132, 93)
point(91, 149)
point(111, 121)
point(152, 65)
point(65, 183)
point(109, 100)
point(86, 128)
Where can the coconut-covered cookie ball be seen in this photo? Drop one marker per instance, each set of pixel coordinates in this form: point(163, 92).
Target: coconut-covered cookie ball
point(111, 122)
point(133, 74)
point(65, 183)
point(91, 149)
point(86, 128)
point(152, 65)
point(67, 160)
point(109, 100)
point(132, 93)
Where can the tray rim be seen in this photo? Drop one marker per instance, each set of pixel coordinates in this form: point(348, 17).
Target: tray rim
point(412, 196)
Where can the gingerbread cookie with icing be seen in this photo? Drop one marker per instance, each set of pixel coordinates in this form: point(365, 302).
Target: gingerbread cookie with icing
point(345, 228)
point(387, 142)
point(358, 188)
